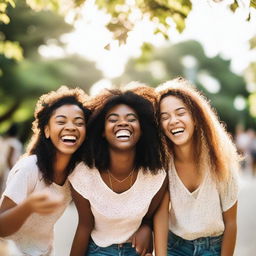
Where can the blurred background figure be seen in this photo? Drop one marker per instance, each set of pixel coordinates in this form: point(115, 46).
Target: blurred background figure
point(243, 140)
point(11, 150)
point(252, 149)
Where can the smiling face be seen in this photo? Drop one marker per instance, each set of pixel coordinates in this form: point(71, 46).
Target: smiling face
point(176, 121)
point(122, 128)
point(66, 129)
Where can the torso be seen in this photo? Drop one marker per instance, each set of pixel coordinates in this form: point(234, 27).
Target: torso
point(35, 237)
point(189, 175)
point(120, 212)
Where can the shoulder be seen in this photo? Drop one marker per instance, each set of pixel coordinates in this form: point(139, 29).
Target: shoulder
point(82, 174)
point(26, 166)
point(83, 179)
point(153, 180)
point(29, 162)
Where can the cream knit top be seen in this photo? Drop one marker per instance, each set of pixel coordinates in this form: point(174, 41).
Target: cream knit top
point(199, 214)
point(117, 216)
point(35, 237)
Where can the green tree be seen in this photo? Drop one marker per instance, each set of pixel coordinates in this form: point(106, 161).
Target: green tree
point(187, 59)
point(22, 82)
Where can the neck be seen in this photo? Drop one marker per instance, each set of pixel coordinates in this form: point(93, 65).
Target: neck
point(60, 164)
point(184, 153)
point(121, 163)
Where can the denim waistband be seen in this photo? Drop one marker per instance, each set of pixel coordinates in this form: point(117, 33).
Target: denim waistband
point(207, 241)
point(116, 246)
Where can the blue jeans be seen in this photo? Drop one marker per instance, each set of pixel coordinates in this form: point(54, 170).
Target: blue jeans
point(124, 249)
point(204, 246)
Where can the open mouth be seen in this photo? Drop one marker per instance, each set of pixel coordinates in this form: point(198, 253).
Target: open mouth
point(177, 131)
point(123, 134)
point(70, 139)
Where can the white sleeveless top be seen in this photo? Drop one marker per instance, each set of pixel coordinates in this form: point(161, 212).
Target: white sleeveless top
point(117, 216)
point(35, 237)
point(199, 214)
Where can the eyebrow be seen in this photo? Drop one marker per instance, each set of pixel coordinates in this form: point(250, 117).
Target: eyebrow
point(62, 116)
point(116, 115)
point(180, 108)
point(177, 109)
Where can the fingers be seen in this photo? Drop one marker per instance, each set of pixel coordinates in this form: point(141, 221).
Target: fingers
point(133, 241)
point(44, 203)
point(143, 252)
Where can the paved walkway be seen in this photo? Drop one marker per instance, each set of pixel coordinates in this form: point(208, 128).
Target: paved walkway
point(246, 240)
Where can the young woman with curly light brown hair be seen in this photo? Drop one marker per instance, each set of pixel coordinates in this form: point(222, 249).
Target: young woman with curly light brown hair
point(198, 215)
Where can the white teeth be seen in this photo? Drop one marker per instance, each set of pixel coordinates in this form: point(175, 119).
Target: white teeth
point(123, 133)
point(174, 131)
point(68, 138)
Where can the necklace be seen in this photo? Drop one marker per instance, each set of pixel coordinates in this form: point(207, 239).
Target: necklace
point(120, 181)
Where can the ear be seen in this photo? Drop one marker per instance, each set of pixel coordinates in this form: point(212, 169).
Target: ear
point(46, 132)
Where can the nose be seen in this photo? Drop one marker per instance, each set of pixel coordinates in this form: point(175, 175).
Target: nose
point(173, 120)
point(70, 126)
point(122, 123)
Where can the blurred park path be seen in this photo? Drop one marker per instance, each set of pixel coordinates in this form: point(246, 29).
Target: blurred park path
point(246, 246)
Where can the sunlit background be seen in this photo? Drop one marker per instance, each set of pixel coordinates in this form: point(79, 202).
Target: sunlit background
point(96, 44)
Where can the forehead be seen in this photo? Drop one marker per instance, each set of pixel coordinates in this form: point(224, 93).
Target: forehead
point(171, 103)
point(121, 109)
point(68, 110)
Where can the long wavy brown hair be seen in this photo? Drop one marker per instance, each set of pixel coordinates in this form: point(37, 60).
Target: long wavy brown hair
point(213, 144)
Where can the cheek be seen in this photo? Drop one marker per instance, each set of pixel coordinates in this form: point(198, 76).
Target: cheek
point(164, 127)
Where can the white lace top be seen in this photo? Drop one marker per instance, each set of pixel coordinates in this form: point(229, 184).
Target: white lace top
point(199, 214)
point(35, 237)
point(117, 216)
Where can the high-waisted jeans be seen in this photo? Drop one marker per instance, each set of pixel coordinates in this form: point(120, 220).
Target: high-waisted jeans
point(124, 249)
point(204, 246)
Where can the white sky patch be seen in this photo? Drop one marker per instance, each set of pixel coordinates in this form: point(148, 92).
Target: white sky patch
point(51, 51)
point(210, 83)
point(222, 32)
point(239, 103)
point(212, 24)
point(100, 86)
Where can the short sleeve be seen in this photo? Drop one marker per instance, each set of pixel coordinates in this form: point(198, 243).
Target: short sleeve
point(229, 190)
point(21, 180)
point(81, 179)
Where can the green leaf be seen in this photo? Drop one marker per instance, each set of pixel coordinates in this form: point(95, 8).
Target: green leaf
point(253, 4)
point(4, 18)
point(11, 50)
point(3, 7)
point(234, 6)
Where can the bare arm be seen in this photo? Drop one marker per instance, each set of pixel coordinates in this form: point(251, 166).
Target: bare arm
point(161, 226)
point(142, 239)
point(12, 216)
point(85, 225)
point(229, 236)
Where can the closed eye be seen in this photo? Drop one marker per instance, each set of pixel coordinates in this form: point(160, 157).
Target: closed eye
point(164, 117)
point(80, 124)
point(112, 120)
point(60, 122)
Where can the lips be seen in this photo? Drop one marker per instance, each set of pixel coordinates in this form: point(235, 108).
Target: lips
point(177, 131)
point(123, 134)
point(69, 139)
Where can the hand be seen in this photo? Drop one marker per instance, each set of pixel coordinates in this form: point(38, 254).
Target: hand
point(43, 202)
point(142, 240)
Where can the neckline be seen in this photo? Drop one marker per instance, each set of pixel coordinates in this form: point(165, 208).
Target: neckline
point(113, 192)
point(60, 186)
point(196, 191)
